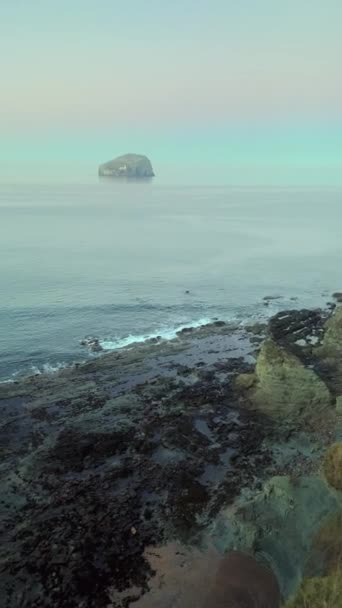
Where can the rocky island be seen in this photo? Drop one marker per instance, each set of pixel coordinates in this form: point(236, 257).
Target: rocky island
point(203, 471)
point(129, 165)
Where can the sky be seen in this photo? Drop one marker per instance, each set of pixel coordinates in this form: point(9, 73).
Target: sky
point(214, 79)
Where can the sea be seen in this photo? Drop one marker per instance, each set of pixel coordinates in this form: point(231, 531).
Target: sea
point(123, 261)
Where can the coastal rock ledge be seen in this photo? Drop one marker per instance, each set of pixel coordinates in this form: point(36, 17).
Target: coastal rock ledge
point(129, 165)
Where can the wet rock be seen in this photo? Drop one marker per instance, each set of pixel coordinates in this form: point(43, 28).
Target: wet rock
point(285, 388)
point(119, 443)
point(337, 296)
point(93, 344)
point(332, 466)
point(185, 330)
point(121, 453)
point(257, 329)
point(242, 582)
point(271, 298)
point(288, 327)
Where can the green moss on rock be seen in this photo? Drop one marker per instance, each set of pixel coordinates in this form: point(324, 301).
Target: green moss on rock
point(329, 353)
point(319, 592)
point(339, 406)
point(332, 466)
point(332, 340)
point(285, 387)
point(326, 551)
point(245, 381)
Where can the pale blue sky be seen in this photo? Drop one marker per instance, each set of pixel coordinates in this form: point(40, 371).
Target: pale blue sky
point(148, 73)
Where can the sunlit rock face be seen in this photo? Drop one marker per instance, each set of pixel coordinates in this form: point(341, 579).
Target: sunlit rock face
point(129, 165)
point(285, 388)
point(329, 354)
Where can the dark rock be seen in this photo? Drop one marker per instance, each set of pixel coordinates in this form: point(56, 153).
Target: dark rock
point(257, 328)
point(185, 330)
point(81, 468)
point(93, 344)
point(271, 298)
point(289, 326)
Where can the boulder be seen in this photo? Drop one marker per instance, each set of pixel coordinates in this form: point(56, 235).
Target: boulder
point(129, 165)
point(245, 381)
point(257, 328)
point(285, 388)
point(243, 582)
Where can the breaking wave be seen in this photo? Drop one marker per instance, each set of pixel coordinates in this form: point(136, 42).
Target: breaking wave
point(168, 333)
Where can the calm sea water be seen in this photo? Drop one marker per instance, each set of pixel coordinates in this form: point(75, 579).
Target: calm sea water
point(115, 260)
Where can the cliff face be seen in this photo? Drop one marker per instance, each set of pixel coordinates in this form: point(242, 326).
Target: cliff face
point(129, 165)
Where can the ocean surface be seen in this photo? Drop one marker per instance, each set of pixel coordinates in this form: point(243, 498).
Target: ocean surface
point(124, 261)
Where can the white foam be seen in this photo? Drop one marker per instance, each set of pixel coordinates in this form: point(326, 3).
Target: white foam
point(167, 333)
point(48, 368)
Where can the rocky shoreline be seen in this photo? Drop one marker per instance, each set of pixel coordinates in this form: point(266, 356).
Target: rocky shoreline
point(121, 474)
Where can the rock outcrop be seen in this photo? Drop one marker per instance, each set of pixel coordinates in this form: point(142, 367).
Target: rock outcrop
point(329, 353)
point(129, 165)
point(333, 466)
point(285, 388)
point(332, 341)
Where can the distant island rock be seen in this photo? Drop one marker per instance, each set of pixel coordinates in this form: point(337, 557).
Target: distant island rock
point(129, 165)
